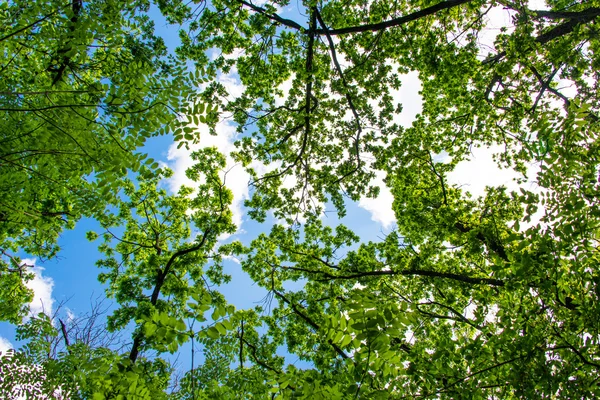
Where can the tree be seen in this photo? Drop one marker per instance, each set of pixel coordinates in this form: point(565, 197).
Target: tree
point(390, 319)
point(153, 271)
point(83, 86)
point(468, 297)
point(43, 368)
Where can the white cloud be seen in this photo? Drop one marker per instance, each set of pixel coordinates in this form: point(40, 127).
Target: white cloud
point(480, 170)
point(501, 18)
point(5, 345)
point(285, 87)
point(497, 19)
point(381, 206)
point(236, 179)
point(42, 290)
point(538, 5)
point(233, 259)
point(408, 95)
point(70, 314)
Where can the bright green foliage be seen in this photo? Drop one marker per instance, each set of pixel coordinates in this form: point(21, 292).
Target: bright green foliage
point(66, 362)
point(492, 296)
point(158, 277)
point(216, 378)
point(154, 270)
point(82, 86)
point(462, 298)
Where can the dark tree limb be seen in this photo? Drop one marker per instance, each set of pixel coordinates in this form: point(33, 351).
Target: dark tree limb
point(147, 246)
point(444, 5)
point(309, 82)
point(440, 177)
point(407, 272)
point(495, 80)
point(76, 6)
point(258, 361)
point(591, 12)
point(492, 243)
point(567, 102)
point(274, 17)
point(574, 350)
point(63, 329)
point(459, 316)
point(314, 257)
point(308, 106)
point(242, 345)
point(339, 70)
point(160, 280)
point(34, 23)
point(481, 371)
point(47, 92)
point(162, 276)
point(55, 106)
point(346, 89)
point(545, 85)
point(554, 33)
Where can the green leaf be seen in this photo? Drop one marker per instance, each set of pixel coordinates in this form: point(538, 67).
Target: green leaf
point(213, 333)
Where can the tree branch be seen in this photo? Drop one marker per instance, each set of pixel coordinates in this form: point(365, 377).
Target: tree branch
point(493, 244)
point(128, 242)
point(406, 272)
point(556, 32)
point(440, 177)
point(394, 22)
point(47, 107)
point(574, 350)
point(47, 92)
point(307, 106)
point(255, 357)
point(546, 86)
point(63, 329)
point(32, 24)
point(160, 280)
point(242, 345)
point(274, 17)
point(432, 274)
point(591, 12)
point(346, 88)
point(459, 315)
point(309, 81)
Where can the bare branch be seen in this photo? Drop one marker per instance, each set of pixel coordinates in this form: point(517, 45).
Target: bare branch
point(63, 329)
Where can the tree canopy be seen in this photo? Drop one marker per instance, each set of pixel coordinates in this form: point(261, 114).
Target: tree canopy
point(476, 296)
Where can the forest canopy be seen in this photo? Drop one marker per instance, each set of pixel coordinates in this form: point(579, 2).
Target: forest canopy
point(492, 295)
